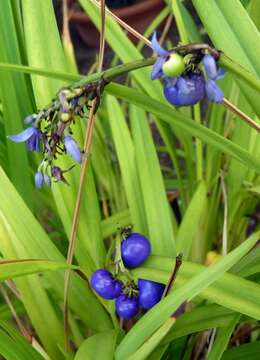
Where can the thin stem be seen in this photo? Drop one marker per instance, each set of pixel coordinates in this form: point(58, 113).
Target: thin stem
point(199, 148)
point(83, 170)
point(124, 25)
point(172, 278)
point(225, 199)
point(166, 29)
point(241, 114)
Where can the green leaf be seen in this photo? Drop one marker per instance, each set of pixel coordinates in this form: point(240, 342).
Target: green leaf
point(100, 347)
point(221, 292)
point(182, 123)
point(199, 319)
point(10, 269)
point(153, 319)
point(19, 241)
point(126, 155)
point(16, 349)
point(156, 205)
point(237, 36)
point(191, 220)
point(15, 93)
point(245, 351)
point(222, 339)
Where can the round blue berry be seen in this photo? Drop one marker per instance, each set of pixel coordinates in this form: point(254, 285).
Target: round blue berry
point(150, 293)
point(126, 307)
point(105, 285)
point(134, 250)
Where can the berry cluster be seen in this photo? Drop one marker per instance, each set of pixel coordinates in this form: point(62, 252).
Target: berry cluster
point(50, 130)
point(129, 297)
point(189, 79)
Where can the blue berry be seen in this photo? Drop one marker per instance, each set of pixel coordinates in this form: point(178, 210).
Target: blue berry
point(126, 307)
point(150, 293)
point(105, 285)
point(134, 250)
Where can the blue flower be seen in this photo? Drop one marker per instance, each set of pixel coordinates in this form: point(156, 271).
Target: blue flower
point(47, 179)
point(29, 119)
point(213, 91)
point(211, 69)
point(72, 148)
point(39, 180)
point(162, 56)
point(186, 90)
point(31, 135)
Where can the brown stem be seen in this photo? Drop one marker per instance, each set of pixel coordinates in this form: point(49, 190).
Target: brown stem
point(172, 278)
point(241, 114)
point(83, 170)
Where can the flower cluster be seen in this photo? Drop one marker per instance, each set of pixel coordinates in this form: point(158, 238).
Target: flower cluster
point(129, 297)
point(187, 80)
point(50, 131)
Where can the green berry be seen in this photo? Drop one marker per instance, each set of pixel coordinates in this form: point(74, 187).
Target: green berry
point(65, 117)
point(174, 65)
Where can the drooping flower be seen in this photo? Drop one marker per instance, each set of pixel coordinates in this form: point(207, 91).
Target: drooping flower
point(186, 85)
point(213, 91)
point(72, 148)
point(39, 179)
point(162, 56)
point(29, 119)
point(31, 135)
point(47, 179)
point(184, 91)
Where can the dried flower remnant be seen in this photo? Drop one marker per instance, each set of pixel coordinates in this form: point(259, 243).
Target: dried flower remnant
point(50, 130)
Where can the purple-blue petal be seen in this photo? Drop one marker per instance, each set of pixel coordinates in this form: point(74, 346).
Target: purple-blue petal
point(157, 47)
point(72, 148)
point(29, 119)
point(188, 90)
point(210, 66)
point(47, 179)
point(22, 136)
point(38, 180)
point(33, 143)
point(213, 91)
point(220, 74)
point(157, 68)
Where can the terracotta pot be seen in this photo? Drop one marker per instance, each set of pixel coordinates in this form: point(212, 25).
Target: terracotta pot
point(138, 16)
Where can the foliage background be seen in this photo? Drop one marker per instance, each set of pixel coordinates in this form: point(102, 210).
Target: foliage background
point(180, 206)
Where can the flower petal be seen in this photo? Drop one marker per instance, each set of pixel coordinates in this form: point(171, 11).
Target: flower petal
point(220, 74)
point(38, 180)
point(157, 68)
point(33, 143)
point(22, 136)
point(210, 66)
point(47, 179)
point(72, 148)
point(157, 47)
point(29, 119)
point(213, 91)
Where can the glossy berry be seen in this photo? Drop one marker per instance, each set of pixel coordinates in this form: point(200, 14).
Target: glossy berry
point(174, 65)
point(126, 307)
point(150, 293)
point(134, 250)
point(105, 285)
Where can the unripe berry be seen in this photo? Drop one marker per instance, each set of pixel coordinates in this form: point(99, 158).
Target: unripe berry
point(174, 65)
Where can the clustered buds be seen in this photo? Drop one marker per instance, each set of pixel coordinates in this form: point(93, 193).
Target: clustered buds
point(187, 80)
point(50, 131)
point(129, 297)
